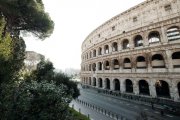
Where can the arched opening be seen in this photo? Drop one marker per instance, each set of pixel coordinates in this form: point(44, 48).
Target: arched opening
point(106, 49)
point(141, 63)
point(116, 64)
point(129, 86)
point(158, 61)
point(107, 83)
point(90, 81)
point(154, 37)
point(138, 41)
point(87, 55)
point(143, 87)
point(100, 51)
point(94, 81)
point(94, 53)
point(100, 82)
point(173, 33)
point(176, 59)
point(94, 66)
point(107, 66)
point(162, 89)
point(99, 65)
point(125, 44)
point(127, 63)
point(116, 85)
point(115, 46)
point(178, 85)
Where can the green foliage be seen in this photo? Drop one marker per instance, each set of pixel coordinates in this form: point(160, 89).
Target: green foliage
point(77, 115)
point(11, 54)
point(26, 15)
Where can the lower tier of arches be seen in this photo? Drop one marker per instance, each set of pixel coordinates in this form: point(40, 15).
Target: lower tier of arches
point(164, 88)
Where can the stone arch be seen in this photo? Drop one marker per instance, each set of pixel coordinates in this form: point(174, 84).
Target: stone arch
point(100, 82)
point(127, 63)
point(115, 46)
point(173, 33)
point(158, 61)
point(89, 67)
point(162, 88)
point(107, 83)
point(138, 41)
point(99, 51)
point(106, 49)
point(94, 66)
point(176, 59)
point(129, 86)
point(116, 64)
point(106, 65)
point(125, 44)
point(99, 65)
point(144, 87)
point(94, 81)
point(116, 83)
point(94, 53)
point(87, 55)
point(154, 37)
point(141, 62)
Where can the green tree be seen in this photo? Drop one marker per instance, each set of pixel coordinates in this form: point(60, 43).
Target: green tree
point(27, 16)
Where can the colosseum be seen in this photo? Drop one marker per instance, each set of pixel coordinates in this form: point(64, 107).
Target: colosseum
point(136, 53)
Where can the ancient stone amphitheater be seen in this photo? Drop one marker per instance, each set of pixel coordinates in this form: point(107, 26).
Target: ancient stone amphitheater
point(136, 52)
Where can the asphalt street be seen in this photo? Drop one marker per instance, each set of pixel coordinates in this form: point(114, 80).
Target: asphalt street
point(120, 107)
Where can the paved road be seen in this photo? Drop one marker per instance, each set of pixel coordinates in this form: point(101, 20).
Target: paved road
point(121, 107)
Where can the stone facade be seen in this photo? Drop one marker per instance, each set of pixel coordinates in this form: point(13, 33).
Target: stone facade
point(136, 52)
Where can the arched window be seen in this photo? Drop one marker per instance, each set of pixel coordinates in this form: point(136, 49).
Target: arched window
point(141, 63)
point(138, 41)
point(158, 61)
point(87, 55)
point(107, 66)
point(116, 84)
point(106, 49)
point(115, 46)
point(99, 65)
point(129, 86)
point(176, 59)
point(107, 83)
point(116, 64)
point(173, 33)
point(162, 88)
point(100, 51)
point(94, 81)
point(154, 37)
point(143, 87)
point(125, 44)
point(100, 83)
point(127, 63)
point(94, 66)
point(94, 53)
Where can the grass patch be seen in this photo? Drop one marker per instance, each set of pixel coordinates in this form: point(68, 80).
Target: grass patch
point(77, 115)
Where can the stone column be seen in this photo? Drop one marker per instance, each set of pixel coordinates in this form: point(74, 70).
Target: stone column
point(97, 66)
point(131, 43)
point(152, 88)
point(119, 45)
point(110, 48)
point(146, 41)
point(163, 36)
point(122, 85)
point(169, 60)
point(111, 84)
point(104, 83)
point(136, 87)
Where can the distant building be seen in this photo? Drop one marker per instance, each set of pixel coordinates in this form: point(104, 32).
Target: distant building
point(32, 59)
